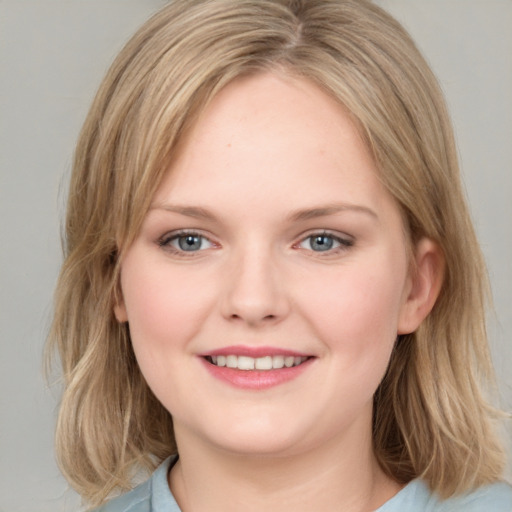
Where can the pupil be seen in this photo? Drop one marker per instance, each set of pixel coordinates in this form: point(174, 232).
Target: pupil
point(322, 243)
point(189, 242)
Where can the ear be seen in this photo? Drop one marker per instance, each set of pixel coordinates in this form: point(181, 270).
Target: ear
point(119, 305)
point(120, 312)
point(423, 286)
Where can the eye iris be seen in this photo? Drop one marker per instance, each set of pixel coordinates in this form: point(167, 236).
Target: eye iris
point(321, 243)
point(189, 242)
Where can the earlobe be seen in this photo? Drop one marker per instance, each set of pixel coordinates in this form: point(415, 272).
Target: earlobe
point(119, 306)
point(120, 313)
point(425, 284)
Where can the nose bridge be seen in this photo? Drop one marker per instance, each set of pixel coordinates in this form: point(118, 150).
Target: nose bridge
point(255, 290)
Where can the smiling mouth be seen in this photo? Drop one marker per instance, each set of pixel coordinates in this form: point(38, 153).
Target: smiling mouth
point(256, 363)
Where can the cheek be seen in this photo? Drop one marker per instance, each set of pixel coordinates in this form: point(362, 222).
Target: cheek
point(164, 310)
point(356, 312)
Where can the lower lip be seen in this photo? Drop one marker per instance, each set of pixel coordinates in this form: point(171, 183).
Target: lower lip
point(256, 379)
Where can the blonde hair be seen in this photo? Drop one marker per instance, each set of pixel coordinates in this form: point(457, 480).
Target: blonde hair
point(431, 419)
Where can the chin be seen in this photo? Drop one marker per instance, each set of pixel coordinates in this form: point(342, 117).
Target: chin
point(256, 439)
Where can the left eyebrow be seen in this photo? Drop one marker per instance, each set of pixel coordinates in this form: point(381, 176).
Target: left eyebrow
point(330, 209)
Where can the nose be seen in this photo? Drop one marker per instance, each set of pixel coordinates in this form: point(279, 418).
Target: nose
point(254, 290)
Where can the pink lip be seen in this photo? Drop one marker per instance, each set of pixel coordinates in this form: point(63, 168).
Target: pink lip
point(242, 350)
point(254, 379)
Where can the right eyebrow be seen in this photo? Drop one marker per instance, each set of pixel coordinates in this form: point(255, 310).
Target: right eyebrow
point(195, 212)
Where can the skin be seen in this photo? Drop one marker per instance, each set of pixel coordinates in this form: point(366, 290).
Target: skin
point(267, 147)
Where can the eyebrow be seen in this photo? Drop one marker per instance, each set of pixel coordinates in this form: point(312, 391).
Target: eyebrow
point(195, 212)
point(330, 209)
point(198, 212)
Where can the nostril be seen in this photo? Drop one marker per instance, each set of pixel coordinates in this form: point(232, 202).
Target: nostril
point(235, 316)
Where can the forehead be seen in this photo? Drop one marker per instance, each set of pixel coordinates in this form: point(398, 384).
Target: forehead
point(270, 127)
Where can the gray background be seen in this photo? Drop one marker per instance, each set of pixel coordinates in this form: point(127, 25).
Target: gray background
point(53, 54)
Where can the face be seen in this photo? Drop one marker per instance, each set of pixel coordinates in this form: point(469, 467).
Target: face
point(270, 279)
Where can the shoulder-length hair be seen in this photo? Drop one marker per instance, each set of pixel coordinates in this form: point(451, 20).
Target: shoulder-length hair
point(431, 418)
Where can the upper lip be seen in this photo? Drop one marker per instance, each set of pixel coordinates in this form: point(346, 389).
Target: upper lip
point(255, 352)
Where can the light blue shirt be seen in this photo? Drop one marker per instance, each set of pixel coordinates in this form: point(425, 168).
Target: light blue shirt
point(155, 496)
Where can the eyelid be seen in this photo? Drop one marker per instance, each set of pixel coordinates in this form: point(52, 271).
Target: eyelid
point(345, 241)
point(165, 241)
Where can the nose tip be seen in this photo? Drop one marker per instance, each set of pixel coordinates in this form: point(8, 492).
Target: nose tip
point(255, 293)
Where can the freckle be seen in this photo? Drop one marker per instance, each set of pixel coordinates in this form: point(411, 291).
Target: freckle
point(229, 145)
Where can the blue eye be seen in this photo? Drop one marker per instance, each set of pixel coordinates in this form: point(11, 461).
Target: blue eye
point(324, 242)
point(189, 242)
point(186, 242)
point(321, 242)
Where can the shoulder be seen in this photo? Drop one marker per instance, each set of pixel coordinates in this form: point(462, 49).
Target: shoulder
point(417, 497)
point(137, 500)
point(496, 497)
point(152, 495)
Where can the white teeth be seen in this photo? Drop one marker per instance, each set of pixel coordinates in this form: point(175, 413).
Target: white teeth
point(259, 363)
point(263, 363)
point(231, 361)
point(245, 363)
point(277, 361)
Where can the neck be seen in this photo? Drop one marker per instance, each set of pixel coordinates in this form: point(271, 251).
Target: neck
point(339, 475)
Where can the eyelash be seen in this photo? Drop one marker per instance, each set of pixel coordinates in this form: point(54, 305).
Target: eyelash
point(344, 243)
point(165, 242)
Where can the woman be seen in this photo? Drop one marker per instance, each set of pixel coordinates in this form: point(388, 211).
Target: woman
point(271, 272)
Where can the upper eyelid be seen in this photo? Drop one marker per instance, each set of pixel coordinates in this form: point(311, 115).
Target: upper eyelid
point(327, 232)
point(345, 242)
point(166, 240)
point(171, 235)
point(166, 243)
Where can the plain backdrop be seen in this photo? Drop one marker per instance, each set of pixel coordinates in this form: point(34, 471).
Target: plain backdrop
point(53, 54)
